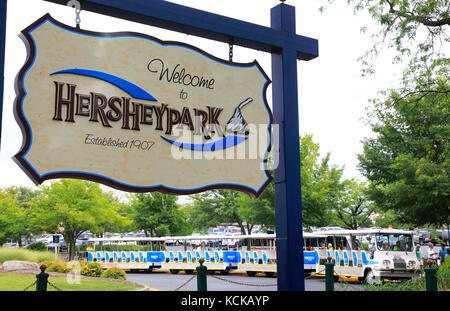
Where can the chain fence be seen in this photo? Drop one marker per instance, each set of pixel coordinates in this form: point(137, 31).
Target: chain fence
point(185, 283)
point(241, 283)
point(26, 288)
point(48, 282)
point(54, 286)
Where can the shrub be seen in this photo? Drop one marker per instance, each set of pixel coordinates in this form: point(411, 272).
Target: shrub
point(443, 274)
point(37, 246)
point(58, 266)
point(114, 273)
point(91, 269)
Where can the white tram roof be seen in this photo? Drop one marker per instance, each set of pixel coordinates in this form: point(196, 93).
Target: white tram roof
point(361, 232)
point(201, 237)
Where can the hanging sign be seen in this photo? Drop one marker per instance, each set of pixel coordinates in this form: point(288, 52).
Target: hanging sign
point(139, 114)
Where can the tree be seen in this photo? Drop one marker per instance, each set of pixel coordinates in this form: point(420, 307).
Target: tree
point(8, 214)
point(415, 28)
point(21, 226)
point(321, 186)
point(158, 214)
point(408, 161)
point(213, 207)
point(71, 207)
point(353, 207)
point(258, 211)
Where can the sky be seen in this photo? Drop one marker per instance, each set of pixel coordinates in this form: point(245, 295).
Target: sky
point(332, 93)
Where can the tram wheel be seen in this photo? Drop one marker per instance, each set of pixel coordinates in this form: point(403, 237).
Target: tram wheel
point(189, 271)
point(174, 271)
point(269, 273)
point(210, 271)
point(251, 273)
point(149, 270)
point(224, 272)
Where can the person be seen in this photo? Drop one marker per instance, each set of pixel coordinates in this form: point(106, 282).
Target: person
point(89, 248)
point(384, 246)
point(330, 247)
point(397, 246)
point(431, 253)
point(42, 279)
point(442, 253)
point(419, 255)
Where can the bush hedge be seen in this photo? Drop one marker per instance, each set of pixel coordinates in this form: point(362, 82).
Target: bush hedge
point(37, 246)
point(114, 273)
point(417, 284)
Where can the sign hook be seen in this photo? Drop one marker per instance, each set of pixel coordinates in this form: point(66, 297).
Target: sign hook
point(76, 4)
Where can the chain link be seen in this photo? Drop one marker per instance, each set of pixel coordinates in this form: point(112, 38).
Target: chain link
point(76, 4)
point(182, 285)
point(230, 53)
point(242, 283)
point(54, 286)
point(29, 286)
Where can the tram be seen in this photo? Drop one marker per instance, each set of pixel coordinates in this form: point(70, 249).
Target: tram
point(386, 253)
point(251, 254)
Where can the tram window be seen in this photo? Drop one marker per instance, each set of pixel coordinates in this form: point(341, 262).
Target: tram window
point(341, 243)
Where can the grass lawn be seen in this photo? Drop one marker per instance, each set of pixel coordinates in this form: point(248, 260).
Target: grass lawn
point(17, 282)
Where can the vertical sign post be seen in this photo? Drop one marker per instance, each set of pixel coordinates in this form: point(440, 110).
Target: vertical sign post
point(288, 210)
point(2, 58)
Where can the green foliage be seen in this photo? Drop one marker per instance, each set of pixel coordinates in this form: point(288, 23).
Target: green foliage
point(408, 163)
point(37, 246)
point(158, 214)
point(415, 28)
point(443, 274)
point(258, 211)
point(24, 255)
point(321, 184)
point(114, 273)
point(126, 247)
point(416, 284)
point(19, 216)
point(73, 206)
point(17, 282)
point(91, 269)
point(57, 266)
point(353, 207)
point(323, 193)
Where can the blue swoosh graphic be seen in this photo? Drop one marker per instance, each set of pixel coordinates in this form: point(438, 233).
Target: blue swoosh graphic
point(132, 89)
point(226, 142)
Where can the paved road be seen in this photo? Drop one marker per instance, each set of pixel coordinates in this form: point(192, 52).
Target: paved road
point(233, 282)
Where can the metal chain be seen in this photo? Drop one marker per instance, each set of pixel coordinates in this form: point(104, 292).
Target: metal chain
point(185, 283)
point(241, 283)
point(29, 286)
point(57, 288)
point(230, 53)
point(314, 274)
point(76, 4)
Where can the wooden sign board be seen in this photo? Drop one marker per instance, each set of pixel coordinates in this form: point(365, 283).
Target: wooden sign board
point(139, 114)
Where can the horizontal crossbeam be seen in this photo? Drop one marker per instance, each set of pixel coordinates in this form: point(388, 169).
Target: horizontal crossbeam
point(203, 24)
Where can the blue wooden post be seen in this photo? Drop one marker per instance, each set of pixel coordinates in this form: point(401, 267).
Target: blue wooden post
point(288, 210)
point(2, 58)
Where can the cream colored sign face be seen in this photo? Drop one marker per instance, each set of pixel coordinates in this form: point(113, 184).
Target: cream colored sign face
point(139, 114)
